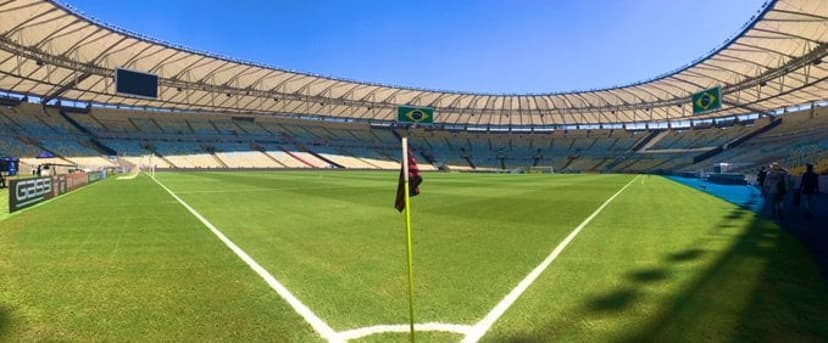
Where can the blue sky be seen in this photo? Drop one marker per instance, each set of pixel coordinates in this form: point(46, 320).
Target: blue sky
point(508, 46)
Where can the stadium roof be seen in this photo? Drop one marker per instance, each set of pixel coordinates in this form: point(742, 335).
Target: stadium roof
point(50, 50)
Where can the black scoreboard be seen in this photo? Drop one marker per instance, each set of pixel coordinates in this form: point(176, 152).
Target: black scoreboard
point(136, 83)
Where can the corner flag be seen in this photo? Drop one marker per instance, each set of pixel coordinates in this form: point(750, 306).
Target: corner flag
point(408, 186)
point(414, 178)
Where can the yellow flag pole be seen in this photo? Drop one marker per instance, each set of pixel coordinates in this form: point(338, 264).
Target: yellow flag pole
point(409, 237)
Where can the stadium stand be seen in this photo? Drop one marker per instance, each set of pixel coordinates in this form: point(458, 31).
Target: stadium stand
point(146, 125)
point(273, 118)
point(136, 153)
point(250, 127)
point(308, 158)
point(284, 158)
point(186, 155)
point(194, 140)
point(226, 126)
point(115, 121)
point(202, 127)
point(174, 125)
point(238, 155)
point(757, 98)
point(800, 138)
point(88, 121)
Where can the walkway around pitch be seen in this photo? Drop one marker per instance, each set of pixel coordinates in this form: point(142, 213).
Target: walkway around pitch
point(813, 233)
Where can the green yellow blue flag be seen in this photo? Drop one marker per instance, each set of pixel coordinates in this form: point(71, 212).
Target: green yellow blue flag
point(415, 115)
point(707, 100)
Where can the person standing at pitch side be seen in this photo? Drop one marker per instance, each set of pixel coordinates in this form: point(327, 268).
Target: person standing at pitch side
point(809, 186)
point(776, 186)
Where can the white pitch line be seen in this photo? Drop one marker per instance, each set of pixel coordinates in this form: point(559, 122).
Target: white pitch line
point(482, 326)
point(318, 324)
point(400, 328)
point(127, 177)
point(229, 191)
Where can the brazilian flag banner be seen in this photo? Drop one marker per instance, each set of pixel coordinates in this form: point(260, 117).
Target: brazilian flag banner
point(707, 101)
point(415, 115)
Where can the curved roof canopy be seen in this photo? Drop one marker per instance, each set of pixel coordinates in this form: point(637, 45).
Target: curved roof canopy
point(50, 50)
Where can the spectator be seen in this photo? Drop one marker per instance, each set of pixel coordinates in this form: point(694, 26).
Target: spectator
point(809, 187)
point(776, 186)
point(760, 179)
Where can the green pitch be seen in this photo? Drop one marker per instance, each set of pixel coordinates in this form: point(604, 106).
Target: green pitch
point(125, 261)
point(4, 204)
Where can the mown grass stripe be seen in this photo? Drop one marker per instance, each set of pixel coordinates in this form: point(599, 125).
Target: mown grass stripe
point(317, 323)
point(482, 326)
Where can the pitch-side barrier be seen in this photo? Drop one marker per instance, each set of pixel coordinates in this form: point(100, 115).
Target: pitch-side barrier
point(27, 192)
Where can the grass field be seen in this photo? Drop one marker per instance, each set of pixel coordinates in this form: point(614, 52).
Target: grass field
point(125, 260)
point(4, 203)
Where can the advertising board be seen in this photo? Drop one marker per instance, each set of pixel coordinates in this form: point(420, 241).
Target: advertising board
point(27, 192)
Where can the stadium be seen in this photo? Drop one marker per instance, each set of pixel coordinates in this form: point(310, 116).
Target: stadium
point(161, 193)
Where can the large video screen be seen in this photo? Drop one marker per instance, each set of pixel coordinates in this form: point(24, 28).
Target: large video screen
point(135, 83)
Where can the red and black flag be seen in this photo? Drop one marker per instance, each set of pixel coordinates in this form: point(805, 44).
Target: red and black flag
point(414, 181)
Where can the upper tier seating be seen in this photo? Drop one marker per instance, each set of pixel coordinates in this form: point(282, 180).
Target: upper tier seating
point(76, 152)
point(193, 140)
point(801, 138)
point(202, 127)
point(700, 138)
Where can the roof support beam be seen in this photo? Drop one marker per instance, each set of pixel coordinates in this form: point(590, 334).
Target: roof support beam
point(786, 34)
point(384, 98)
point(59, 31)
point(69, 85)
point(23, 24)
point(808, 15)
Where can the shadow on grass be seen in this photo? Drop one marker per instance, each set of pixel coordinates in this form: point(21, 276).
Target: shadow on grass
point(764, 287)
point(685, 256)
point(648, 275)
point(5, 322)
point(614, 301)
point(756, 291)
